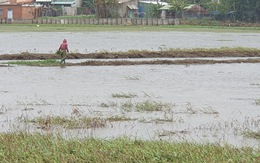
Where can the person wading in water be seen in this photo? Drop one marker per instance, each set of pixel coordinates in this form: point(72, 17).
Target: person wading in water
point(63, 50)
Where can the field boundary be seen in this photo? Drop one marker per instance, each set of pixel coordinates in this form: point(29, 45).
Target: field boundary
point(99, 21)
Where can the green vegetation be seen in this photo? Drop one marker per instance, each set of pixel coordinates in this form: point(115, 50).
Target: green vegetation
point(191, 56)
point(119, 118)
point(252, 134)
point(152, 106)
point(124, 95)
point(73, 122)
point(68, 122)
point(257, 102)
point(108, 104)
point(95, 28)
point(127, 105)
point(132, 77)
point(178, 6)
point(147, 105)
point(48, 62)
point(26, 147)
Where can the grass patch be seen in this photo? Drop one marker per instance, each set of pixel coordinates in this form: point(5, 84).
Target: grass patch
point(212, 50)
point(119, 118)
point(209, 110)
point(252, 134)
point(124, 95)
point(48, 62)
point(147, 105)
point(95, 28)
point(132, 78)
point(257, 102)
point(108, 104)
point(25, 147)
point(127, 105)
point(152, 106)
point(68, 122)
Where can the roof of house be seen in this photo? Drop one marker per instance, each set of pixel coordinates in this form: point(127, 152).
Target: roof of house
point(132, 7)
point(191, 7)
point(43, 0)
point(194, 8)
point(63, 2)
point(124, 1)
point(154, 2)
point(166, 7)
point(17, 2)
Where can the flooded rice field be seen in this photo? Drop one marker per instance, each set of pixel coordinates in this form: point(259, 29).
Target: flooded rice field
point(201, 103)
point(88, 42)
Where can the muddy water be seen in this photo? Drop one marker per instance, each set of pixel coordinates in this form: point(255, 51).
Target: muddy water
point(86, 42)
point(212, 103)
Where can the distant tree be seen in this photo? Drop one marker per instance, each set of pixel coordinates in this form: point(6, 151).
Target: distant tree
point(204, 3)
point(89, 4)
point(106, 8)
point(224, 6)
point(247, 10)
point(178, 6)
point(155, 12)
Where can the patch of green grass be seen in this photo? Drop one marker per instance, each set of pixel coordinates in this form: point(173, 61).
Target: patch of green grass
point(147, 105)
point(124, 95)
point(209, 110)
point(127, 105)
point(152, 106)
point(252, 134)
point(221, 49)
point(68, 122)
point(48, 62)
point(94, 28)
point(108, 104)
point(118, 118)
point(257, 102)
point(26, 147)
point(132, 78)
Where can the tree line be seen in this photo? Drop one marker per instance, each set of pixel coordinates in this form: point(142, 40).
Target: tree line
point(241, 10)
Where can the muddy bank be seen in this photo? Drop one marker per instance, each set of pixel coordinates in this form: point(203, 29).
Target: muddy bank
point(141, 54)
point(163, 62)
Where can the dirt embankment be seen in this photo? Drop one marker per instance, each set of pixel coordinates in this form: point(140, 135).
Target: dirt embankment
point(141, 54)
point(188, 57)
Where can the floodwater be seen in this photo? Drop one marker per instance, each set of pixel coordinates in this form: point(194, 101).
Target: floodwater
point(87, 42)
point(210, 103)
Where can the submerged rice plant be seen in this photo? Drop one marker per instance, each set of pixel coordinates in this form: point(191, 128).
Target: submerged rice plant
point(68, 122)
point(124, 95)
point(152, 106)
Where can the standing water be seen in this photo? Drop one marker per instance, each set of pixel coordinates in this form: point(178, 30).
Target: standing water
point(205, 103)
